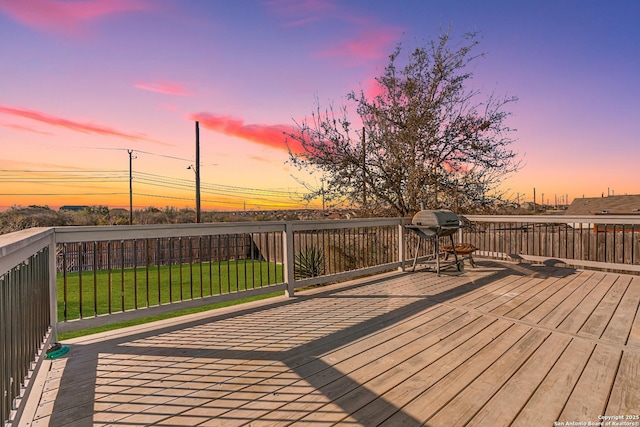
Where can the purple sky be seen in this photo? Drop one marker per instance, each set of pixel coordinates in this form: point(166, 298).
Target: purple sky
point(83, 81)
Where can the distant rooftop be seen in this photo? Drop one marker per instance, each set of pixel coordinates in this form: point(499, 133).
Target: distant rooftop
point(611, 205)
point(73, 207)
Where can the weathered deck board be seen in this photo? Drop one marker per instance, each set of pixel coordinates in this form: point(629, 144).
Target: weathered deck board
point(534, 301)
point(634, 334)
point(537, 287)
point(546, 308)
point(619, 326)
point(371, 383)
point(505, 405)
point(434, 398)
point(577, 318)
point(489, 293)
point(494, 305)
point(445, 385)
point(502, 344)
point(546, 404)
point(469, 401)
point(365, 364)
point(376, 411)
point(599, 319)
point(565, 307)
point(589, 397)
point(625, 396)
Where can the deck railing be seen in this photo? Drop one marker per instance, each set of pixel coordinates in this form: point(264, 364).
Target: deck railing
point(65, 278)
point(607, 242)
point(107, 274)
point(25, 317)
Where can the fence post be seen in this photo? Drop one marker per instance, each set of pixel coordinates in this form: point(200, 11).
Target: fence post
point(53, 287)
point(401, 247)
point(288, 258)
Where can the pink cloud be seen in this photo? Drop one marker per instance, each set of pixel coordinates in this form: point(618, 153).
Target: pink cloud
point(167, 88)
point(371, 44)
point(65, 16)
point(270, 135)
point(169, 107)
point(372, 88)
point(300, 12)
point(24, 128)
point(73, 125)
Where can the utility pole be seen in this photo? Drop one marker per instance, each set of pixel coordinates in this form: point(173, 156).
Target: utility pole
point(131, 157)
point(364, 172)
point(197, 171)
point(534, 200)
point(322, 193)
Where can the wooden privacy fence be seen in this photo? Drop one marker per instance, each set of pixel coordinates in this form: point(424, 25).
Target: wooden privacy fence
point(102, 255)
point(608, 242)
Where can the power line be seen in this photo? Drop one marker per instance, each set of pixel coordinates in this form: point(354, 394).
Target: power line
point(220, 192)
point(66, 180)
point(214, 187)
point(121, 174)
point(274, 197)
point(60, 171)
point(139, 152)
point(246, 190)
point(163, 155)
point(63, 194)
point(226, 202)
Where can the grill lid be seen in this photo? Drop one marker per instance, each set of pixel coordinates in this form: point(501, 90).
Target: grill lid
point(436, 219)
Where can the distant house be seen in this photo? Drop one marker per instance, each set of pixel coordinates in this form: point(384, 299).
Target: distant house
point(612, 205)
point(73, 208)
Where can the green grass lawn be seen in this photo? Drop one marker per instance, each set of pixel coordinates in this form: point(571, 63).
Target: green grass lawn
point(103, 292)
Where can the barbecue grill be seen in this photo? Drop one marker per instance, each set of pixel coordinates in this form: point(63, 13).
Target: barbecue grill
point(431, 225)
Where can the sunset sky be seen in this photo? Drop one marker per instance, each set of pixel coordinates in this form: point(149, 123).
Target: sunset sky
point(82, 82)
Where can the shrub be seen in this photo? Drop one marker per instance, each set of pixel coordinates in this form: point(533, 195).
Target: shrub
point(309, 263)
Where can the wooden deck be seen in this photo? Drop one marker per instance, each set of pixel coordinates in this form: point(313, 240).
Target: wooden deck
point(502, 344)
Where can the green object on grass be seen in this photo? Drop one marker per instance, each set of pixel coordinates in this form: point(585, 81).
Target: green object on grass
point(57, 350)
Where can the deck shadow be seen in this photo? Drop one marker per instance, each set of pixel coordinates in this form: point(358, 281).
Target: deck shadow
point(342, 302)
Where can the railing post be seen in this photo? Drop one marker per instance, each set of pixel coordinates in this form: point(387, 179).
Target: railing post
point(53, 287)
point(401, 247)
point(288, 259)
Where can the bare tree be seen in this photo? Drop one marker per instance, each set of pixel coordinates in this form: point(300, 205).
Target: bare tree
point(426, 139)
